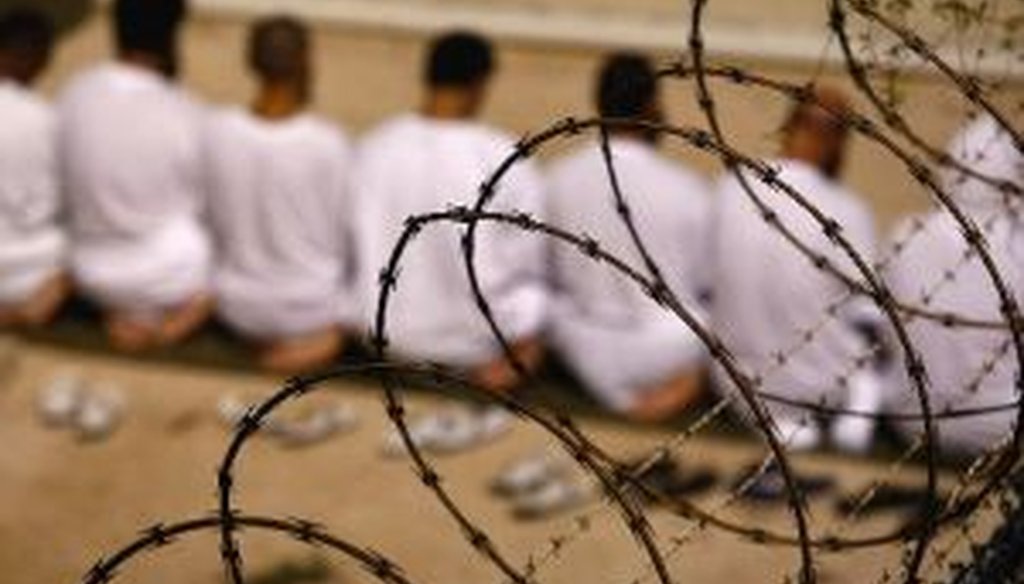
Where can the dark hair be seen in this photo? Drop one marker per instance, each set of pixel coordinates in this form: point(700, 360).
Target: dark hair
point(627, 86)
point(278, 48)
point(459, 59)
point(26, 30)
point(148, 26)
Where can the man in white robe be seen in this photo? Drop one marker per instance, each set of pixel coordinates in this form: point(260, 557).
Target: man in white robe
point(958, 359)
point(131, 162)
point(636, 357)
point(33, 247)
point(772, 306)
point(425, 162)
point(278, 207)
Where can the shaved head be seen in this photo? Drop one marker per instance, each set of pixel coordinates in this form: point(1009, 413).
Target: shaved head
point(815, 130)
point(279, 50)
point(821, 108)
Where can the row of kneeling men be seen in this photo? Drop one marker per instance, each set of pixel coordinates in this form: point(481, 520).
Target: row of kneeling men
point(163, 212)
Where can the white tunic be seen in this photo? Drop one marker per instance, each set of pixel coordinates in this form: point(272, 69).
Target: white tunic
point(278, 208)
point(955, 359)
point(413, 165)
point(615, 337)
point(131, 162)
point(32, 245)
point(767, 295)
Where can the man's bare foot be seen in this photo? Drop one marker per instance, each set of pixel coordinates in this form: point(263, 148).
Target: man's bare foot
point(668, 400)
point(303, 354)
point(128, 335)
point(46, 302)
point(40, 308)
point(500, 375)
point(183, 321)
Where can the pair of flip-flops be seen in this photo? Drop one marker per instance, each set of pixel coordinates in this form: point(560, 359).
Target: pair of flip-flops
point(311, 428)
point(880, 499)
point(94, 412)
point(541, 486)
point(768, 485)
point(546, 485)
point(450, 430)
point(666, 480)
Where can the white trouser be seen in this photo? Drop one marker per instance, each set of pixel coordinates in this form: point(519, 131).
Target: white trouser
point(267, 313)
point(147, 275)
point(27, 264)
point(618, 362)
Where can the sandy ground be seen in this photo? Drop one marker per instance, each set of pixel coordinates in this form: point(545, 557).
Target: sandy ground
point(63, 504)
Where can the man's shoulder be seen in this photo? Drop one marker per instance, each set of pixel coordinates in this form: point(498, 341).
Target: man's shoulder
point(568, 165)
point(24, 105)
point(498, 138)
point(394, 128)
point(676, 172)
point(323, 130)
point(83, 84)
point(227, 123)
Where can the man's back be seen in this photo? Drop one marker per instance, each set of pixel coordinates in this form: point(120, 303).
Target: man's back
point(768, 296)
point(28, 182)
point(32, 245)
point(669, 207)
point(130, 152)
point(414, 165)
point(967, 368)
point(278, 203)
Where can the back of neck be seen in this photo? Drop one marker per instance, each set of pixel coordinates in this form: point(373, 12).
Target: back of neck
point(448, 104)
point(278, 102)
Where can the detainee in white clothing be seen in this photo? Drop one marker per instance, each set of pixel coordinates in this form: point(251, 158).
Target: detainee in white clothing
point(33, 246)
point(773, 308)
point(636, 357)
point(957, 359)
point(131, 162)
point(278, 203)
point(427, 162)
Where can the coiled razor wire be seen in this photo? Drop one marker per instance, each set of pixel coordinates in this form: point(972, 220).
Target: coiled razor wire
point(984, 482)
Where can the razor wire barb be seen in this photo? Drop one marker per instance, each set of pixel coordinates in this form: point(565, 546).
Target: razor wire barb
point(622, 486)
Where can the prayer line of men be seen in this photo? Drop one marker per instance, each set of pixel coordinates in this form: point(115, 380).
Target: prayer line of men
point(164, 214)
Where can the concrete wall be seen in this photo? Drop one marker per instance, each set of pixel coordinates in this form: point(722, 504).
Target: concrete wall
point(367, 75)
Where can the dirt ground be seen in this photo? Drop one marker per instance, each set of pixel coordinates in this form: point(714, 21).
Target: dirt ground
point(64, 504)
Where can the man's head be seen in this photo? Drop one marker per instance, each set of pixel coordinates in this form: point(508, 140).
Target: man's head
point(26, 43)
point(458, 67)
point(149, 29)
point(279, 54)
point(627, 88)
point(815, 134)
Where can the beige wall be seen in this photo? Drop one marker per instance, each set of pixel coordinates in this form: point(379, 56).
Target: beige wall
point(366, 76)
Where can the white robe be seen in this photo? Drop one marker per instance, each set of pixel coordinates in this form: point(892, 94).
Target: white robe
point(767, 294)
point(32, 244)
point(413, 165)
point(278, 208)
point(131, 164)
point(955, 358)
point(618, 340)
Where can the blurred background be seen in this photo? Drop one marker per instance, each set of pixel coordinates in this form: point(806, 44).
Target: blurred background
point(369, 51)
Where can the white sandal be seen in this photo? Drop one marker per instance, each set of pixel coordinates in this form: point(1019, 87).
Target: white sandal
point(450, 431)
point(553, 498)
point(317, 427)
point(60, 399)
point(100, 413)
point(528, 474)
